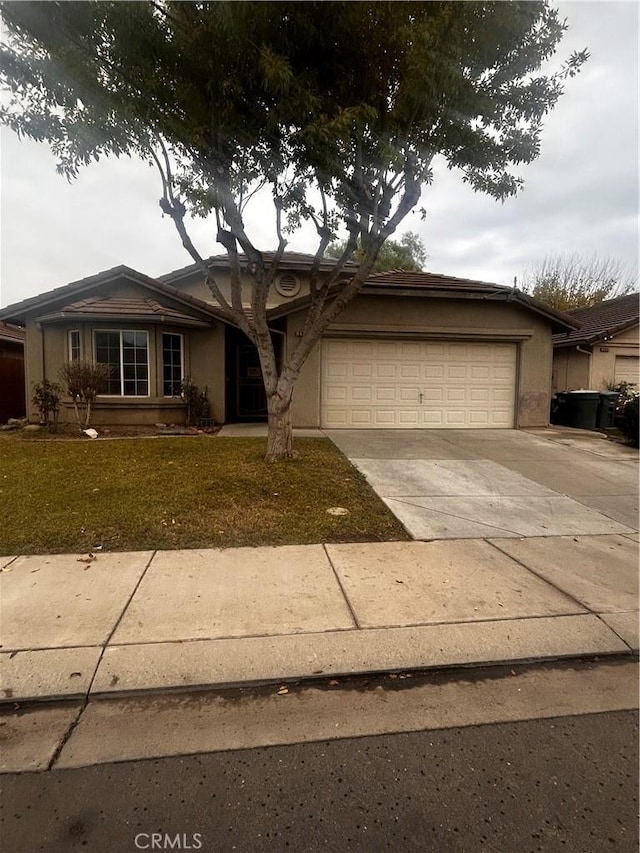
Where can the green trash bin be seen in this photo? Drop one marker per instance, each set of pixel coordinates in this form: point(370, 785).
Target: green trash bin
point(582, 409)
point(607, 409)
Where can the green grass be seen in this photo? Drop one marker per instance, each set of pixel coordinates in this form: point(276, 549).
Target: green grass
point(130, 494)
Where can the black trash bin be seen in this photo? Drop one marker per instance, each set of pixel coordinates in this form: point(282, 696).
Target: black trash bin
point(607, 409)
point(582, 409)
point(559, 413)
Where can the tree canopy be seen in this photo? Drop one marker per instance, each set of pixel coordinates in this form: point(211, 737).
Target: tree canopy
point(407, 253)
point(336, 109)
point(576, 281)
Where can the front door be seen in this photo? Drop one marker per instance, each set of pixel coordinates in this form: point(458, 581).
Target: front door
point(251, 401)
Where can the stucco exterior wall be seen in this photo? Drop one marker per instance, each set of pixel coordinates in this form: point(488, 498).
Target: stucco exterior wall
point(207, 366)
point(203, 355)
point(603, 359)
point(570, 370)
point(194, 285)
point(437, 318)
point(573, 370)
point(33, 364)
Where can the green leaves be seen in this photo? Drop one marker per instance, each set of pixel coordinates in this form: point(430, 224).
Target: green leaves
point(340, 94)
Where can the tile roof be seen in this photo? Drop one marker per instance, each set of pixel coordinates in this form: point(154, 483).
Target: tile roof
point(18, 310)
point(602, 320)
point(406, 283)
point(290, 261)
point(118, 306)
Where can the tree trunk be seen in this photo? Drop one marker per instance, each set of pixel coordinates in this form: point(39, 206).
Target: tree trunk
point(280, 434)
point(75, 406)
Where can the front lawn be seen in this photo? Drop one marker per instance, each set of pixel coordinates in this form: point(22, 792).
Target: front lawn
point(196, 492)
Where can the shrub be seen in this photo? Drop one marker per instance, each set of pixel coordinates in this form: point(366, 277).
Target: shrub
point(84, 380)
point(626, 391)
point(46, 398)
point(629, 423)
point(197, 401)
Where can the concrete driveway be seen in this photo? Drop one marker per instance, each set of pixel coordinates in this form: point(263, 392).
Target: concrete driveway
point(457, 484)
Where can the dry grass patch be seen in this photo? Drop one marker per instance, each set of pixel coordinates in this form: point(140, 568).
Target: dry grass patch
point(191, 492)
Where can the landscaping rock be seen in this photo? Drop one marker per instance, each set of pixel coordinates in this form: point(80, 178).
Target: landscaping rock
point(337, 510)
point(32, 428)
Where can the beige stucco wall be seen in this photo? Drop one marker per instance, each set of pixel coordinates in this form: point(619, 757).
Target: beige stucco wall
point(207, 365)
point(194, 285)
point(203, 351)
point(573, 370)
point(603, 359)
point(33, 364)
point(431, 318)
point(570, 370)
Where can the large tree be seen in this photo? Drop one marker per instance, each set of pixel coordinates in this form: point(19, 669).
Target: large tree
point(337, 109)
point(407, 253)
point(578, 281)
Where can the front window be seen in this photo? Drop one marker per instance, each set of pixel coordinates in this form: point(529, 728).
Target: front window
point(74, 345)
point(172, 373)
point(127, 356)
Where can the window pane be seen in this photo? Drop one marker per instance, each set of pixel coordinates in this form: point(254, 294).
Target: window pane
point(129, 349)
point(74, 345)
point(171, 364)
point(108, 352)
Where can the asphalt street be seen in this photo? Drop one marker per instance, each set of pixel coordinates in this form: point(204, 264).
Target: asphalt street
point(561, 784)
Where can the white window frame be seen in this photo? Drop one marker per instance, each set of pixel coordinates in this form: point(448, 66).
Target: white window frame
point(70, 345)
point(122, 394)
point(182, 374)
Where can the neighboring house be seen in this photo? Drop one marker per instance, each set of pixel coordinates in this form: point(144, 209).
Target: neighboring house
point(12, 384)
point(604, 351)
point(412, 349)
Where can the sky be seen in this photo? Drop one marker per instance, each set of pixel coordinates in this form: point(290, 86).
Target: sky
point(580, 195)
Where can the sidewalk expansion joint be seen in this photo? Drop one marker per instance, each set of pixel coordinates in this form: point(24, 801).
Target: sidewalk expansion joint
point(342, 589)
point(458, 517)
point(618, 635)
point(545, 580)
point(74, 723)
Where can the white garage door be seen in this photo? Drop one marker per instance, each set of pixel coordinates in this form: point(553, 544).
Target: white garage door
point(381, 384)
point(627, 369)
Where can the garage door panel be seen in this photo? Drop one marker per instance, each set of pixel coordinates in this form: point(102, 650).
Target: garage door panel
point(400, 384)
point(627, 369)
point(363, 394)
point(410, 370)
point(480, 395)
point(433, 371)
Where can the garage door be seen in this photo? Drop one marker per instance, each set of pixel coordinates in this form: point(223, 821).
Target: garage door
point(627, 369)
point(381, 384)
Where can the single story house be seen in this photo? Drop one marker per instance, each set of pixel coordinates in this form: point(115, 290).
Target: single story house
point(12, 382)
point(413, 349)
point(604, 351)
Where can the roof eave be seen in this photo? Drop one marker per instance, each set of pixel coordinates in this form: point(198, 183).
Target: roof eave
point(8, 339)
point(600, 335)
point(117, 317)
point(560, 322)
point(17, 313)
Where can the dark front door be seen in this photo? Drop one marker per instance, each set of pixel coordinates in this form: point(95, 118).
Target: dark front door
point(251, 401)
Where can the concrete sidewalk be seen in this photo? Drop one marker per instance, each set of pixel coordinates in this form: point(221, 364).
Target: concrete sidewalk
point(158, 621)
